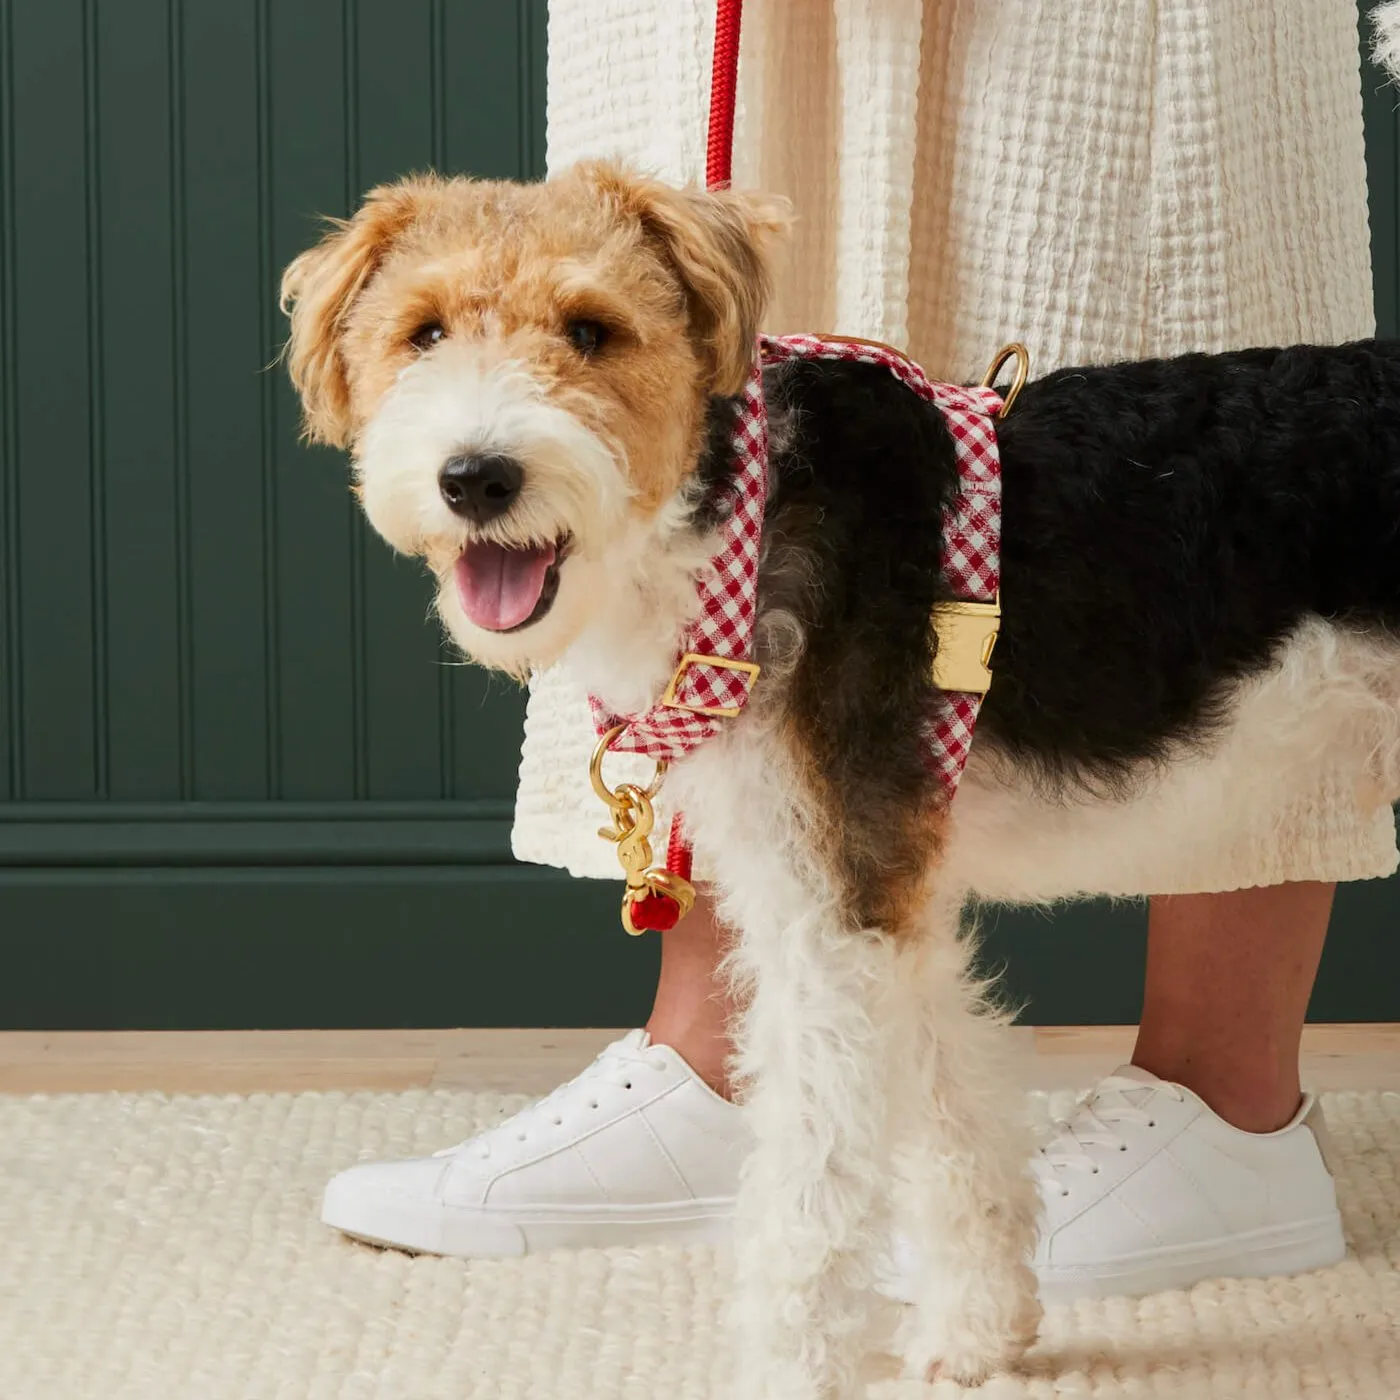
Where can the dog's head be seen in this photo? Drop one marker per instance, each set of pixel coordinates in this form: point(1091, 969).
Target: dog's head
point(522, 374)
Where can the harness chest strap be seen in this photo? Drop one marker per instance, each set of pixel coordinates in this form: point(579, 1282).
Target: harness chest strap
point(716, 670)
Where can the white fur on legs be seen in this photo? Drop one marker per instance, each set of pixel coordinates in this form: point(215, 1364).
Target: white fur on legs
point(963, 1190)
point(814, 1048)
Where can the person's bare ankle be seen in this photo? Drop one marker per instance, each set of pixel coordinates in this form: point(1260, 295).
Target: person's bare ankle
point(692, 1011)
point(700, 1049)
point(1262, 1101)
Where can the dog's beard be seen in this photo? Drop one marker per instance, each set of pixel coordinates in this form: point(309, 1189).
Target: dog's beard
point(628, 651)
point(570, 561)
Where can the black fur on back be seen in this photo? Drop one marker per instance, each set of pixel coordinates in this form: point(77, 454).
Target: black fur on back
point(1166, 524)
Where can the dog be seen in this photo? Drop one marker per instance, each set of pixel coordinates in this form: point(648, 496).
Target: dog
point(538, 386)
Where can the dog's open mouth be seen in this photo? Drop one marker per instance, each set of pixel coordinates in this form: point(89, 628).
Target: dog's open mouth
point(503, 587)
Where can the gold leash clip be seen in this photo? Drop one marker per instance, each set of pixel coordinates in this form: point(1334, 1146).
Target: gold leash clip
point(633, 820)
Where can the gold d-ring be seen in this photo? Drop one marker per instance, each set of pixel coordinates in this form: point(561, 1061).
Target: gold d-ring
point(1022, 356)
point(595, 772)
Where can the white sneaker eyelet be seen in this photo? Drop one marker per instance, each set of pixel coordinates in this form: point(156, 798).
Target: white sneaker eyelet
point(1151, 1122)
point(558, 1122)
point(1064, 1195)
point(1122, 1146)
point(1096, 1171)
point(628, 1085)
point(594, 1104)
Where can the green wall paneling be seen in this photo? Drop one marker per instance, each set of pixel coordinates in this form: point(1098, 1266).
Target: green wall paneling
point(242, 782)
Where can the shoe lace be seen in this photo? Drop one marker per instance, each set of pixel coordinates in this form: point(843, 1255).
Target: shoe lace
point(620, 1064)
point(1088, 1133)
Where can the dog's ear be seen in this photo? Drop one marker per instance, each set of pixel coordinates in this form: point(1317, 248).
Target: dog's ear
point(721, 244)
point(318, 290)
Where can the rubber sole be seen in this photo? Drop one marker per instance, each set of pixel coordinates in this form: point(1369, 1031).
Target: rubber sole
point(1270, 1253)
point(467, 1232)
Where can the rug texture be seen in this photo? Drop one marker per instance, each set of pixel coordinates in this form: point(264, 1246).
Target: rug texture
point(157, 1248)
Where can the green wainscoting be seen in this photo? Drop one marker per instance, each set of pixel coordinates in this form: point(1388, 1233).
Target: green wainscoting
point(242, 783)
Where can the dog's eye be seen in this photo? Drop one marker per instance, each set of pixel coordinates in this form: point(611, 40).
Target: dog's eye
point(425, 337)
point(587, 337)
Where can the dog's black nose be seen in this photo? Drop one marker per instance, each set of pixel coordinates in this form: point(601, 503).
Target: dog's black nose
point(479, 487)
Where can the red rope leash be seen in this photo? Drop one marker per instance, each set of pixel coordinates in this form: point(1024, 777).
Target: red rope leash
point(719, 149)
point(679, 856)
point(656, 910)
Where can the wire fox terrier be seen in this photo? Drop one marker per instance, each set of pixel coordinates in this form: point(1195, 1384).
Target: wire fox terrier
point(542, 387)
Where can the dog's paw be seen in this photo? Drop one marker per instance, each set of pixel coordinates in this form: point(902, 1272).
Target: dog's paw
point(967, 1362)
point(984, 1333)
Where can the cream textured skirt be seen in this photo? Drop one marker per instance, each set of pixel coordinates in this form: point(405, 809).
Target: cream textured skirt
point(1100, 181)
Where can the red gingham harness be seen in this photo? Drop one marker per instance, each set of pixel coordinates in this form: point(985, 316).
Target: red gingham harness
point(716, 670)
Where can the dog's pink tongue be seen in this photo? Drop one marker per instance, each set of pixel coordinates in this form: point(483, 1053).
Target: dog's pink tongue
point(500, 587)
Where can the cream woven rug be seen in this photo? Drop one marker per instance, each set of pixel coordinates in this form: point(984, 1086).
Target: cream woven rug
point(168, 1249)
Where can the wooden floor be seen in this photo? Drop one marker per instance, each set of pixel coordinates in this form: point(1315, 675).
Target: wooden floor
point(527, 1061)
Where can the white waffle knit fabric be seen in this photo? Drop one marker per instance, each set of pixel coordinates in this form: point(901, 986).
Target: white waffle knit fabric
point(1100, 181)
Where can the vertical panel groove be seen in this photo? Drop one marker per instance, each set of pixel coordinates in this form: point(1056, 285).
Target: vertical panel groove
point(9, 405)
point(437, 60)
point(1393, 126)
point(1388, 317)
point(97, 526)
point(523, 68)
point(179, 298)
point(272, 683)
point(359, 718)
point(1381, 120)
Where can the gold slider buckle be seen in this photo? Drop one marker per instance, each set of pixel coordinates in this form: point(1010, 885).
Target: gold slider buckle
point(967, 633)
point(695, 658)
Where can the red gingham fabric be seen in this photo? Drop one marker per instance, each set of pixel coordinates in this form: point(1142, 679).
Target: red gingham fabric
point(728, 591)
point(728, 588)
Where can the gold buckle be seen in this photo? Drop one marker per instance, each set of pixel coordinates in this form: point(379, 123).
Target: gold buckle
point(1015, 351)
point(694, 658)
point(967, 633)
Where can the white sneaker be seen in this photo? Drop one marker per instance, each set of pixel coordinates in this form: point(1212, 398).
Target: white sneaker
point(638, 1148)
point(1146, 1189)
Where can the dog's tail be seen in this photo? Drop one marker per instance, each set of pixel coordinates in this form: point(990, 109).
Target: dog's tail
point(1385, 37)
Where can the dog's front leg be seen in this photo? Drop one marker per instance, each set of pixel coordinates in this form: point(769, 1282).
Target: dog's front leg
point(813, 1049)
point(965, 1201)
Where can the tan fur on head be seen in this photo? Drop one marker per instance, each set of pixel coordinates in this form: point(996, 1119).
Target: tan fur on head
point(721, 242)
point(320, 286)
point(442, 323)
